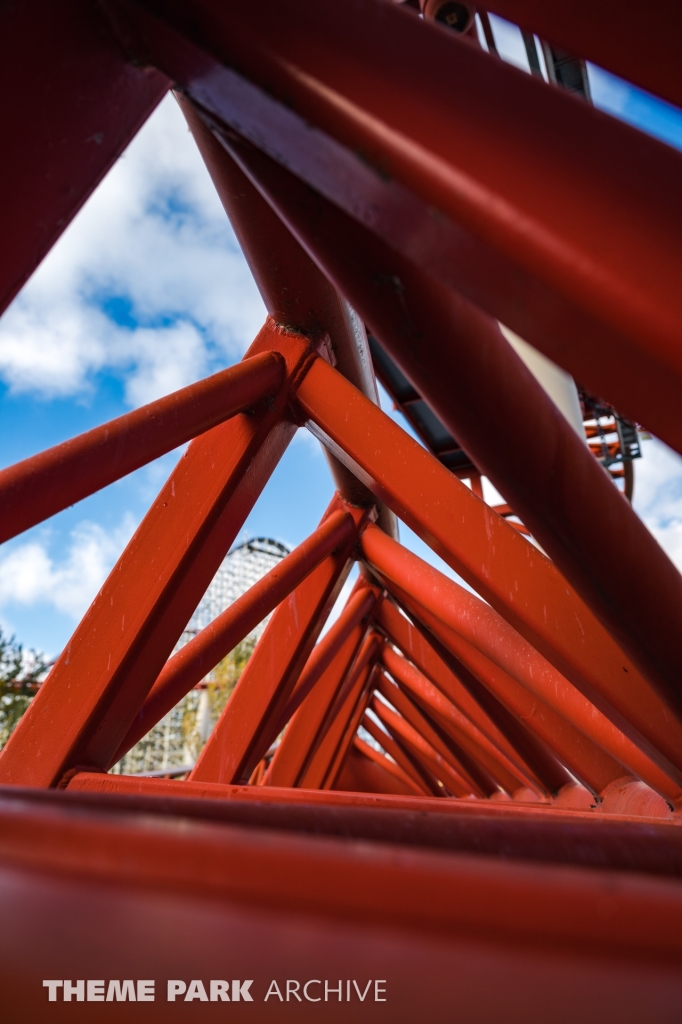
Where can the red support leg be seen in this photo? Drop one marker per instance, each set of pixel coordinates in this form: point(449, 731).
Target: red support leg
point(250, 719)
point(295, 292)
point(343, 720)
point(585, 760)
point(421, 652)
point(401, 758)
point(130, 629)
point(422, 751)
point(69, 79)
point(299, 741)
point(399, 700)
point(517, 579)
point(39, 487)
point(458, 360)
point(521, 174)
point(451, 719)
point(481, 627)
point(196, 659)
point(358, 607)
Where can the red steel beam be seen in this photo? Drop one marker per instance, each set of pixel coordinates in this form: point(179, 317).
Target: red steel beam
point(388, 766)
point(193, 900)
point(458, 360)
point(125, 638)
point(366, 774)
point(478, 624)
point(297, 746)
point(399, 755)
point(525, 748)
point(643, 51)
point(450, 718)
point(585, 759)
point(193, 661)
point(249, 722)
point(531, 187)
point(512, 575)
point(227, 795)
point(70, 81)
point(532, 832)
point(399, 700)
point(421, 652)
point(481, 627)
point(296, 294)
point(41, 486)
point(422, 750)
point(405, 756)
point(357, 607)
point(439, 894)
point(343, 720)
point(298, 743)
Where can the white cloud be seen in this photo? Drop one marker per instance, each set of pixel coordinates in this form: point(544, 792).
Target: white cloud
point(658, 496)
point(147, 282)
point(30, 576)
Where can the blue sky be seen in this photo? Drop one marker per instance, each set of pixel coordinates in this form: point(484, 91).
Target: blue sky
point(145, 292)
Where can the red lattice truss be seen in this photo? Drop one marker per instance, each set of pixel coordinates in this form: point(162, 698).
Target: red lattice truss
point(509, 848)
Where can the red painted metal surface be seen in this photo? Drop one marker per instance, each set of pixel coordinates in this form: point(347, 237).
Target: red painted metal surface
point(251, 718)
point(445, 785)
point(39, 487)
point(459, 361)
point(299, 742)
point(344, 718)
point(518, 173)
point(491, 557)
point(609, 34)
point(198, 657)
point(76, 104)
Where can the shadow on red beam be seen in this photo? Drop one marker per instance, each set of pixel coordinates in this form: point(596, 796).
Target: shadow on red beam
point(126, 896)
point(530, 186)
point(104, 783)
point(73, 823)
point(642, 52)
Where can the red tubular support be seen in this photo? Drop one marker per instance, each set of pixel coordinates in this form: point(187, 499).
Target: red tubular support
point(487, 631)
point(113, 658)
point(458, 360)
point(398, 699)
point(422, 750)
point(420, 650)
point(519, 173)
point(392, 747)
point(248, 724)
point(189, 666)
point(385, 764)
point(298, 743)
point(70, 79)
point(585, 760)
point(295, 292)
point(358, 606)
point(343, 719)
point(453, 721)
point(39, 487)
point(508, 572)
point(323, 682)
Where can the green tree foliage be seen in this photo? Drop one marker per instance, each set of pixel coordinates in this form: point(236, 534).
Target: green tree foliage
point(221, 683)
point(20, 673)
point(226, 675)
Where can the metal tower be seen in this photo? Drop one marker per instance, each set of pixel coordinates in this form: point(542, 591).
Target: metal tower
point(510, 846)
